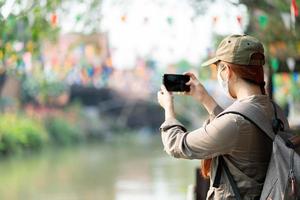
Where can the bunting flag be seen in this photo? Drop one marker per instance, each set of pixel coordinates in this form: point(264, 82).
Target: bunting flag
point(294, 8)
point(294, 12)
point(295, 77)
point(53, 19)
point(78, 18)
point(286, 18)
point(123, 18)
point(291, 63)
point(170, 20)
point(275, 64)
point(215, 20)
point(286, 78)
point(239, 19)
point(263, 21)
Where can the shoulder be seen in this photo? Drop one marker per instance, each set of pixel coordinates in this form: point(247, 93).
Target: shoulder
point(235, 121)
point(241, 114)
point(232, 114)
point(225, 126)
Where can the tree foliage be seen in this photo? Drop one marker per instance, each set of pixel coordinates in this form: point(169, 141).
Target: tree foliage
point(275, 29)
point(30, 22)
point(25, 25)
point(267, 23)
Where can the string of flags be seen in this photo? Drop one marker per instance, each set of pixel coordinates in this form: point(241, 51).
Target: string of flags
point(263, 20)
point(290, 65)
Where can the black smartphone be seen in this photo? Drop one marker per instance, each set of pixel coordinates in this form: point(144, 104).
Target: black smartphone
point(176, 82)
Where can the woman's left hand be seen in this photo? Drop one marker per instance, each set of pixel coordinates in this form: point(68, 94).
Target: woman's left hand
point(165, 98)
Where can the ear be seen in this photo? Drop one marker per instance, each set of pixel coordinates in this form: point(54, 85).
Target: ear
point(228, 72)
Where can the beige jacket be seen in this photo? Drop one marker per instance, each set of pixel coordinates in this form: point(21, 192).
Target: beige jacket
point(246, 149)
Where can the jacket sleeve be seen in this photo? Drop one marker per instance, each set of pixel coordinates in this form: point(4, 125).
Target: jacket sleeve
point(216, 137)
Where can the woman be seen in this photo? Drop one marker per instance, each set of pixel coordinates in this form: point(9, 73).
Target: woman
point(246, 150)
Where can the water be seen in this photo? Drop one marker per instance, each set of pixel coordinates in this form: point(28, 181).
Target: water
point(134, 168)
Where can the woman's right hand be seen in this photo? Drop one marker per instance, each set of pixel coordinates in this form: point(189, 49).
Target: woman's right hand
point(197, 90)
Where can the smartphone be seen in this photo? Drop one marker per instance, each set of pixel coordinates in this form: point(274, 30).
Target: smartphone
point(176, 82)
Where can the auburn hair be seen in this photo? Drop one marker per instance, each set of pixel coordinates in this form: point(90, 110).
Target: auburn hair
point(251, 74)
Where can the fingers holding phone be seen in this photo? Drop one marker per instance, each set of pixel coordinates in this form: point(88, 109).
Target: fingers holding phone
point(192, 83)
point(191, 75)
point(164, 97)
point(197, 90)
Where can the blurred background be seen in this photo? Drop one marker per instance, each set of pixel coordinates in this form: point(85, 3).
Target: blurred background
point(79, 116)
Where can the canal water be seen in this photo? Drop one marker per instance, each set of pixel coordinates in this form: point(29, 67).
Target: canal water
point(123, 168)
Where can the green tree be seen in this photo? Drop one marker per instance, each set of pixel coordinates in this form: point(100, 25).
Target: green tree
point(267, 24)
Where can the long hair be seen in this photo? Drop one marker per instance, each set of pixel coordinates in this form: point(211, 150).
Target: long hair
point(252, 75)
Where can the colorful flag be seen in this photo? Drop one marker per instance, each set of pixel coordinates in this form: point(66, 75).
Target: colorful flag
point(263, 21)
point(294, 8)
point(294, 12)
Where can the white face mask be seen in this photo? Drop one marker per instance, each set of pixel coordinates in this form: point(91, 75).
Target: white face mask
point(223, 83)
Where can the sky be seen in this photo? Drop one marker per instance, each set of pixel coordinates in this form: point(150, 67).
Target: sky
point(167, 30)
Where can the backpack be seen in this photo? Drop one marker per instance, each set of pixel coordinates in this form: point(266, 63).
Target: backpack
point(282, 180)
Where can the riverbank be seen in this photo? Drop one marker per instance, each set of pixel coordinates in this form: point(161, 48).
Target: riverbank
point(120, 168)
point(31, 130)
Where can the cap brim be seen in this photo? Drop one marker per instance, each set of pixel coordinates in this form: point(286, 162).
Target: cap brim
point(210, 61)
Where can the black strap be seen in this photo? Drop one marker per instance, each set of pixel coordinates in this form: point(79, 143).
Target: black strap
point(217, 179)
point(230, 178)
point(232, 182)
point(277, 124)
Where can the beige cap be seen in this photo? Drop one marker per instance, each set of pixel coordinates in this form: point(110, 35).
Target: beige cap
point(239, 49)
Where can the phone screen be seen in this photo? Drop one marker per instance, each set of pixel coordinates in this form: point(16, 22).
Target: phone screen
point(176, 82)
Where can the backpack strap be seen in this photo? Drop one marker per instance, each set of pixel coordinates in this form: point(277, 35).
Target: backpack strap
point(216, 183)
point(277, 124)
point(253, 114)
